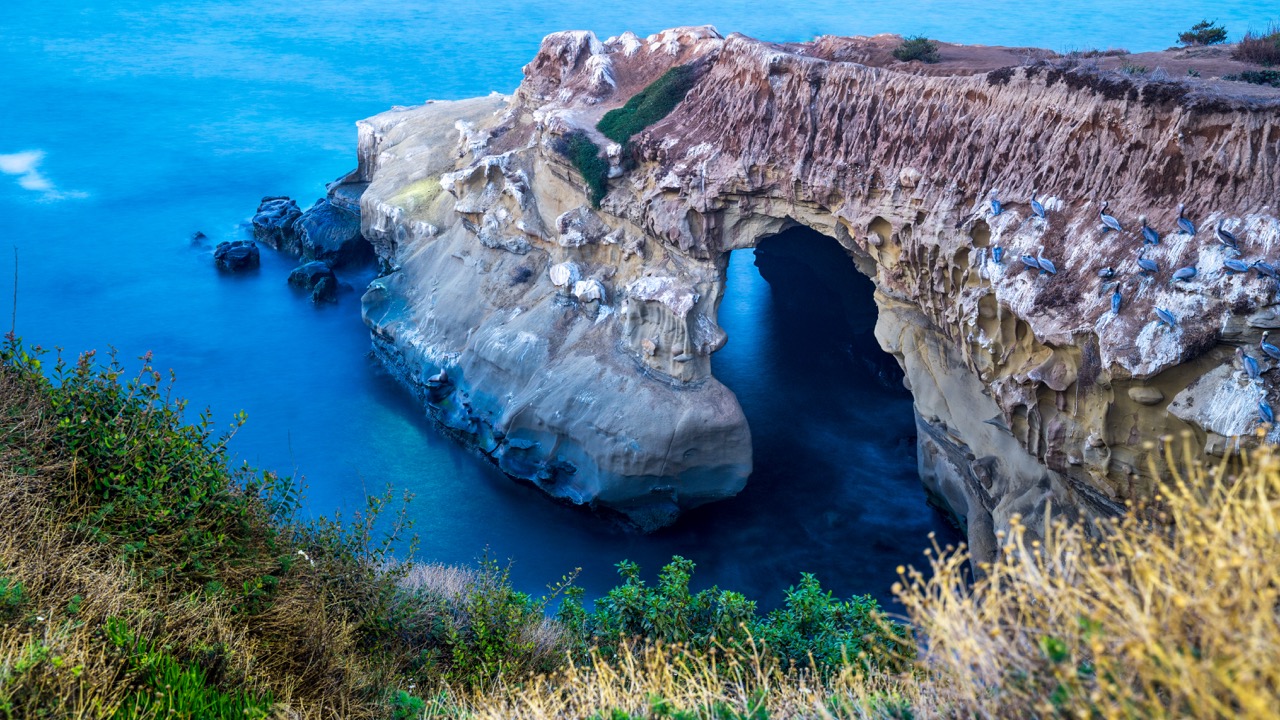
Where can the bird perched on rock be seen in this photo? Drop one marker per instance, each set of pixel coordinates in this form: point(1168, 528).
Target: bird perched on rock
point(1116, 300)
point(1184, 224)
point(1036, 207)
point(1149, 234)
point(1184, 274)
point(1046, 265)
point(1235, 266)
point(1108, 221)
point(997, 254)
point(1148, 265)
point(1265, 269)
point(1272, 351)
point(1030, 261)
point(1166, 317)
point(1268, 415)
point(996, 207)
point(1226, 237)
point(1249, 365)
point(1107, 273)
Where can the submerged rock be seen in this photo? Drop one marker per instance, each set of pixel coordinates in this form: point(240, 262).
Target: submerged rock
point(237, 255)
point(317, 277)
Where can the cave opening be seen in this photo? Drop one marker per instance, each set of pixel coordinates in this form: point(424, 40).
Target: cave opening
point(833, 429)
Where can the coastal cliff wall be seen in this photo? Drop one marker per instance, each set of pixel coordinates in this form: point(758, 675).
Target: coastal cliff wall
point(572, 343)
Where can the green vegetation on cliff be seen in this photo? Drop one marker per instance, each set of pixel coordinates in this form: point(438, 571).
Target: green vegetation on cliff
point(585, 156)
point(142, 574)
point(649, 105)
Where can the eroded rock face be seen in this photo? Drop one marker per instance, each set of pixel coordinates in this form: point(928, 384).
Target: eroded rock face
point(573, 344)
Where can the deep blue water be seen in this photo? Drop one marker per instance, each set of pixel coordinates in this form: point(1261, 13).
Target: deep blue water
point(126, 126)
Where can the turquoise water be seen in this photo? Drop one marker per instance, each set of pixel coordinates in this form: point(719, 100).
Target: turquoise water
point(126, 126)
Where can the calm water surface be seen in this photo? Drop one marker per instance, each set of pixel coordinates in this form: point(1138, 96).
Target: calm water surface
point(126, 126)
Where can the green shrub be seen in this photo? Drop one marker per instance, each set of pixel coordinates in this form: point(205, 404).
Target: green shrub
point(1260, 48)
point(1133, 69)
point(649, 105)
point(585, 156)
point(917, 47)
point(813, 629)
point(1257, 77)
point(12, 597)
point(1203, 33)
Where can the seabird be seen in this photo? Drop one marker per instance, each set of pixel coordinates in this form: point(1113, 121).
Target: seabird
point(1249, 364)
point(1107, 273)
point(1149, 236)
point(995, 203)
point(997, 254)
point(1235, 266)
point(1271, 350)
point(1166, 317)
point(1267, 413)
point(1116, 299)
point(1030, 262)
point(1107, 220)
point(1046, 265)
point(1265, 269)
point(1185, 273)
point(1148, 265)
point(1036, 207)
point(1226, 237)
point(1187, 226)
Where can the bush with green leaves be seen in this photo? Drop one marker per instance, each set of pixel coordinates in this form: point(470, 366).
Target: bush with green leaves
point(649, 105)
point(580, 150)
point(1204, 32)
point(917, 47)
point(812, 630)
point(1269, 78)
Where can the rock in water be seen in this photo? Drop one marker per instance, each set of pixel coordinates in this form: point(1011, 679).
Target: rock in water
point(274, 224)
point(617, 407)
point(317, 277)
point(331, 233)
point(236, 256)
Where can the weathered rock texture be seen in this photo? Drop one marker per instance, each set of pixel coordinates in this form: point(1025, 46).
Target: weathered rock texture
point(573, 344)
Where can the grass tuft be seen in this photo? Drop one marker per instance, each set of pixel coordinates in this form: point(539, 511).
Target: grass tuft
point(1260, 48)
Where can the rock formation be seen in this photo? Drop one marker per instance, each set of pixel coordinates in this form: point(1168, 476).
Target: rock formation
point(572, 344)
point(237, 255)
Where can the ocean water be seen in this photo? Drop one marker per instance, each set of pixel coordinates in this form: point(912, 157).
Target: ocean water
point(127, 126)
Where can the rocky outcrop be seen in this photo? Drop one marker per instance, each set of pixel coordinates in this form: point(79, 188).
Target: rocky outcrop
point(236, 255)
point(572, 344)
point(328, 231)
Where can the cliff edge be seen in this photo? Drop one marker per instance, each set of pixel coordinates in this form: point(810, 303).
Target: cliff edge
point(571, 342)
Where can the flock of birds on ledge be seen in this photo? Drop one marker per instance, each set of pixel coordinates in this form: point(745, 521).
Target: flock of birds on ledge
point(1148, 268)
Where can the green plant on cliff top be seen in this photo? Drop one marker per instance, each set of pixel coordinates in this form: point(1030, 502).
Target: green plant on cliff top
point(1203, 33)
point(917, 47)
point(1260, 48)
point(649, 105)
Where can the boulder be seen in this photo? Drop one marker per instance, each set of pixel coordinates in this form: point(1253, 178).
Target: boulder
point(237, 255)
point(317, 277)
point(331, 233)
point(275, 224)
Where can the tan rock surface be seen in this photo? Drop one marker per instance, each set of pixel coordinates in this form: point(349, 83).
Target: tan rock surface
point(1028, 389)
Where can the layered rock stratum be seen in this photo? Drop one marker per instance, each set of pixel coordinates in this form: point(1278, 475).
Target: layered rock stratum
point(572, 343)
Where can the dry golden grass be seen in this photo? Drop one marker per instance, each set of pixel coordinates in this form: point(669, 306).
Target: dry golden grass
point(1170, 612)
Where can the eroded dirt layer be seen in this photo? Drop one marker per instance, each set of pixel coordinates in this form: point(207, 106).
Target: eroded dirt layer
point(572, 343)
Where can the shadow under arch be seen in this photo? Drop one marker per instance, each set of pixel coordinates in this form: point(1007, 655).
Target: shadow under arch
point(833, 427)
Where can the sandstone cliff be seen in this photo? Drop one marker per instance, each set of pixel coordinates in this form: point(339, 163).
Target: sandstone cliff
point(572, 343)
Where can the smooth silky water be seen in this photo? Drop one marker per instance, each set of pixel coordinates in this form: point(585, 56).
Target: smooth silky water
point(126, 126)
